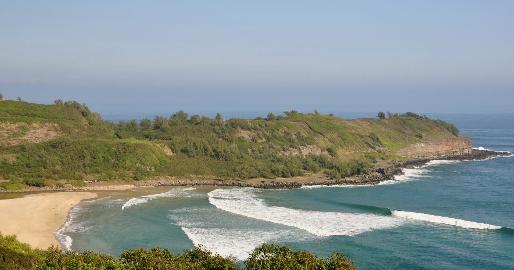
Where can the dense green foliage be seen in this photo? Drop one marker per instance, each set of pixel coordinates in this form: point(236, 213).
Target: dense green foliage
point(84, 147)
point(15, 255)
point(84, 159)
point(271, 256)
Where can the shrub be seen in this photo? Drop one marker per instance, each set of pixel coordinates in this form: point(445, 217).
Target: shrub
point(272, 256)
point(70, 260)
point(34, 182)
point(15, 255)
point(158, 258)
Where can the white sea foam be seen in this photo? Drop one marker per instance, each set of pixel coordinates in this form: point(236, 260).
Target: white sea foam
point(444, 220)
point(227, 234)
point(231, 243)
point(410, 173)
point(504, 153)
point(69, 227)
point(397, 179)
point(419, 171)
point(440, 162)
point(243, 201)
point(169, 194)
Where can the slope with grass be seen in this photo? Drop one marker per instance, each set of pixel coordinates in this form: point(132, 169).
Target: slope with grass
point(65, 143)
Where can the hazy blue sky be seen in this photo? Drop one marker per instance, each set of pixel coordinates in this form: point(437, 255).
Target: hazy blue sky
point(200, 56)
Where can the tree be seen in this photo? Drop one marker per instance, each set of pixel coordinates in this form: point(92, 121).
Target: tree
point(18, 99)
point(180, 116)
point(291, 113)
point(271, 117)
point(132, 125)
point(195, 119)
point(1, 96)
point(58, 102)
point(219, 119)
point(381, 115)
point(145, 124)
point(160, 123)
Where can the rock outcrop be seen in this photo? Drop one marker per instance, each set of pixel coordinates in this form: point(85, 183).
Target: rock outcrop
point(457, 146)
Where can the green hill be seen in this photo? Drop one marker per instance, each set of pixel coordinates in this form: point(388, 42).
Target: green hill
point(44, 144)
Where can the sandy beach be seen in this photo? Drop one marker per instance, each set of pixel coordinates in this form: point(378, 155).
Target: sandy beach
point(35, 218)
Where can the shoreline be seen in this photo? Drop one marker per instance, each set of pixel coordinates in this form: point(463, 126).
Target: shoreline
point(36, 218)
point(374, 177)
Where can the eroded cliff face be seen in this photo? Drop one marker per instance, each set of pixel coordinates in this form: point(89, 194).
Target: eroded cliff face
point(437, 149)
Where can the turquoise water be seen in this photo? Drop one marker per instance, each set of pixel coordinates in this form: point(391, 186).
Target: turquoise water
point(358, 221)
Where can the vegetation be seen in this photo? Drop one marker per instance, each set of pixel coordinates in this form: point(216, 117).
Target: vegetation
point(271, 256)
point(15, 255)
point(65, 141)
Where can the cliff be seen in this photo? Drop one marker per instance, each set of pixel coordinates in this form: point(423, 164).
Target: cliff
point(453, 146)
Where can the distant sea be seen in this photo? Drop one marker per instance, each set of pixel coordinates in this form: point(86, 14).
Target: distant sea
point(446, 215)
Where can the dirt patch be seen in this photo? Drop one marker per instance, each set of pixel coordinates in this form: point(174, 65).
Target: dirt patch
point(245, 134)
point(305, 150)
point(9, 158)
point(19, 133)
point(166, 149)
point(452, 146)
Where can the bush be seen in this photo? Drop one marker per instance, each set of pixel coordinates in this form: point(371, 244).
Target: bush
point(272, 256)
point(70, 260)
point(158, 258)
point(34, 182)
point(15, 255)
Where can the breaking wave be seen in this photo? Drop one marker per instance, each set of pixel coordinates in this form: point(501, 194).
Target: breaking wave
point(244, 202)
point(169, 194)
point(231, 243)
point(444, 220)
point(70, 226)
point(227, 235)
point(502, 153)
point(419, 171)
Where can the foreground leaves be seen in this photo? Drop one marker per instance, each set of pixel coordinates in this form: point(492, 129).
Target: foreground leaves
point(15, 255)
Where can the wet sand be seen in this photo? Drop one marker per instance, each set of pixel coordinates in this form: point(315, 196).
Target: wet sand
point(35, 218)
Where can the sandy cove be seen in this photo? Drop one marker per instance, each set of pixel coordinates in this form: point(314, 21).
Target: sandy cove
point(35, 218)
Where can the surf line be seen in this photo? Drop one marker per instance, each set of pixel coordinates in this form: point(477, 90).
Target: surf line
point(144, 199)
point(444, 220)
point(416, 216)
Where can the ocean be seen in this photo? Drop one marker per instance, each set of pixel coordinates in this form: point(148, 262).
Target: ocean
point(444, 215)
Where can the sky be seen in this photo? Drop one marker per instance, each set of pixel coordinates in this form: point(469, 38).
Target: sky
point(157, 57)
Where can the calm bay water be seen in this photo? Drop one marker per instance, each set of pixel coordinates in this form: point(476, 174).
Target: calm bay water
point(361, 222)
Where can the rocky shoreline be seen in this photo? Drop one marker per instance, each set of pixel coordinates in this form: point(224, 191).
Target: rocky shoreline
point(379, 174)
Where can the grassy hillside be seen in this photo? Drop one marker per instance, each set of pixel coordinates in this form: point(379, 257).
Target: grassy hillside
point(66, 119)
point(43, 144)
